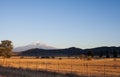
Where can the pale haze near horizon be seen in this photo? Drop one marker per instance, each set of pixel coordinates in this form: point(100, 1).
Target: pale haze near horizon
point(61, 23)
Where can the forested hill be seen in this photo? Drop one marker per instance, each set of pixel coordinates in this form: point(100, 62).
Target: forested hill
point(70, 51)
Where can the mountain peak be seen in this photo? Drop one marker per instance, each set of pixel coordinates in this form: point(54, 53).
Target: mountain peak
point(36, 44)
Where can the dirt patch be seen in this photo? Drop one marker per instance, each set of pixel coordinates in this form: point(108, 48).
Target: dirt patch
point(15, 72)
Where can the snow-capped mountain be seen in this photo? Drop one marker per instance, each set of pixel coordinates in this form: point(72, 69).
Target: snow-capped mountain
point(33, 45)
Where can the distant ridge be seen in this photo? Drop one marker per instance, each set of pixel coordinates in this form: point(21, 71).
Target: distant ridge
point(52, 52)
point(72, 51)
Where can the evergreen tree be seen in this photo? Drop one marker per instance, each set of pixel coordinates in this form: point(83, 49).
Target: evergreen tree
point(101, 54)
point(115, 54)
point(89, 55)
point(107, 54)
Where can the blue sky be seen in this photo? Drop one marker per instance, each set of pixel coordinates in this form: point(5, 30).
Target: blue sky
point(61, 23)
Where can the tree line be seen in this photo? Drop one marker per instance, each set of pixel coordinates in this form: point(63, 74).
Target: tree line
point(115, 54)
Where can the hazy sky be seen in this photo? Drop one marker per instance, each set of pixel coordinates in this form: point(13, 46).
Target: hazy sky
point(61, 23)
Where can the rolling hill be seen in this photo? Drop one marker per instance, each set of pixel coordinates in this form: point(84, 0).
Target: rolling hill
point(73, 51)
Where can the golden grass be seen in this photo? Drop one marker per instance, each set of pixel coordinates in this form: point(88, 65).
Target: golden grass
point(100, 67)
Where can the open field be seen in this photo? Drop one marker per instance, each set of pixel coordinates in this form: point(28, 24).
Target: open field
point(98, 68)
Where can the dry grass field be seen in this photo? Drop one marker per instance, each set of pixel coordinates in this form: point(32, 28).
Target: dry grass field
point(95, 67)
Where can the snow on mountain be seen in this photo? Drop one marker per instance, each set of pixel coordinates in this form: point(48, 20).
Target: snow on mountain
point(33, 45)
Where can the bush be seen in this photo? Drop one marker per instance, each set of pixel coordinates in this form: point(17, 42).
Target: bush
point(60, 58)
point(82, 56)
point(21, 57)
point(42, 57)
point(45, 57)
point(89, 58)
point(76, 57)
point(68, 57)
point(7, 56)
point(52, 57)
point(37, 57)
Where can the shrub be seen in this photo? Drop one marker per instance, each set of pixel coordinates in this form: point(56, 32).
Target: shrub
point(68, 57)
point(21, 57)
point(82, 56)
point(89, 58)
point(60, 58)
point(42, 57)
point(47, 57)
point(52, 57)
point(37, 57)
